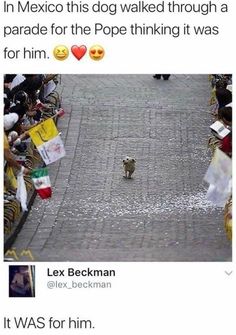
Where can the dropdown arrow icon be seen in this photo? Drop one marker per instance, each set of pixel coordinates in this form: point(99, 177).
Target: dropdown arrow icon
point(228, 273)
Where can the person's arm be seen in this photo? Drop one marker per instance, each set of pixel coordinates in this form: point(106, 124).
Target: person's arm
point(8, 156)
point(49, 77)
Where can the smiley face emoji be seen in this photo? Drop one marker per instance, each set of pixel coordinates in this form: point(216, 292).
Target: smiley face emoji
point(61, 52)
point(96, 52)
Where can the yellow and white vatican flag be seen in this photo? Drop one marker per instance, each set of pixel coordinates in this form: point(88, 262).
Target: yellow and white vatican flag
point(46, 138)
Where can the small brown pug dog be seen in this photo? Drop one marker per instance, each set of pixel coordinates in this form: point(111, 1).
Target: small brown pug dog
point(129, 166)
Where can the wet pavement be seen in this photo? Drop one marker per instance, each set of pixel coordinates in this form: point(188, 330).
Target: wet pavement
point(159, 215)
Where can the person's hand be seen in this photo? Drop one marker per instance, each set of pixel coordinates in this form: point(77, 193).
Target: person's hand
point(26, 171)
point(24, 135)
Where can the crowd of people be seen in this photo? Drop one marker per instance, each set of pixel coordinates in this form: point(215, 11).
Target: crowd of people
point(221, 102)
point(28, 100)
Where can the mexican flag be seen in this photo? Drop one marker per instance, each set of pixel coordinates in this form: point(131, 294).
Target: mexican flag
point(46, 138)
point(42, 182)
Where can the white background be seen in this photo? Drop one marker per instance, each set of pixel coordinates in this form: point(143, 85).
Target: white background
point(127, 54)
point(150, 298)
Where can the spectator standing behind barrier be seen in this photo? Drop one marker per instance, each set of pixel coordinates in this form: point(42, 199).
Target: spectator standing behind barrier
point(225, 116)
point(9, 121)
point(21, 104)
point(31, 84)
point(223, 95)
point(7, 104)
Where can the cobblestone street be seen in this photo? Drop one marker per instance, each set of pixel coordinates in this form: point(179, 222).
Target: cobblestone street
point(159, 215)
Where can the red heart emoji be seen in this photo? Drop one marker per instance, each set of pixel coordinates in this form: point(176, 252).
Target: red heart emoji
point(79, 51)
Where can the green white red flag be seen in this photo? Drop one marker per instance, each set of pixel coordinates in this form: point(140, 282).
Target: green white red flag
point(42, 182)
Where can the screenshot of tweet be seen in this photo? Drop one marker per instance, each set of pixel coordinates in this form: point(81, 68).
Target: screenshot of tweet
point(117, 160)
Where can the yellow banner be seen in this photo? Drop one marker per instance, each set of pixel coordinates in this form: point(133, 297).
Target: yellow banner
point(43, 132)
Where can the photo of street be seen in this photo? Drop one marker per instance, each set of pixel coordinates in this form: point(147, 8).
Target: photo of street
point(94, 211)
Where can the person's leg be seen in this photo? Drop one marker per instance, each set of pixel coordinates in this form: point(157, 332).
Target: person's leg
point(166, 76)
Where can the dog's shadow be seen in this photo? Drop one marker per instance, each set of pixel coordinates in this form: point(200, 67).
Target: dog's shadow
point(126, 178)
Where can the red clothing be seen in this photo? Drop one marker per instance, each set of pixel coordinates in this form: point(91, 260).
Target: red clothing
point(226, 145)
